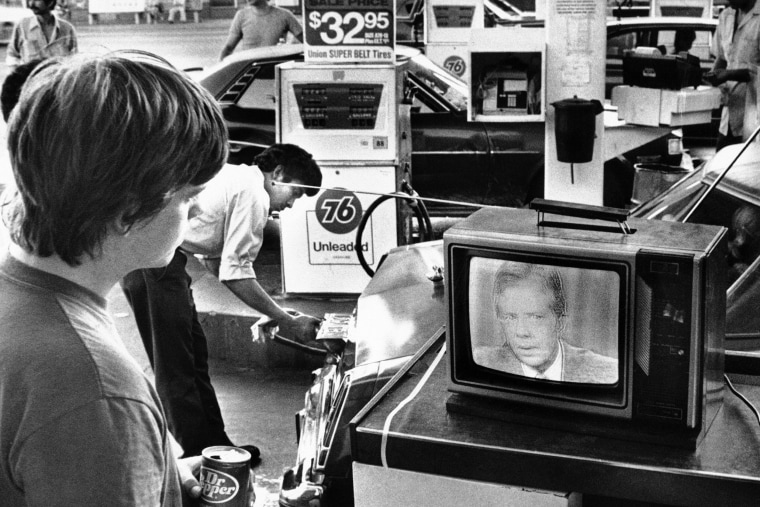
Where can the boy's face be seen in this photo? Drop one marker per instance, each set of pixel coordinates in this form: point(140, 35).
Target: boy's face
point(157, 238)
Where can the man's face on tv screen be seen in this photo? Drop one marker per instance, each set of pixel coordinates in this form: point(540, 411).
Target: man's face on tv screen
point(528, 323)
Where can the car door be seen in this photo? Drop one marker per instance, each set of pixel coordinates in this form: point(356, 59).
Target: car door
point(468, 161)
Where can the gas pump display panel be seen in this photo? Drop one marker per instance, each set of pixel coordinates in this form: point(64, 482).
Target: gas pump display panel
point(338, 105)
point(450, 21)
point(340, 112)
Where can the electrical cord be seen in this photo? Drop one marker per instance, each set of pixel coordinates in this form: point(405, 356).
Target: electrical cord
point(742, 397)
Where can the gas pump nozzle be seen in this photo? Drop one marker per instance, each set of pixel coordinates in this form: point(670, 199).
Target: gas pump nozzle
point(266, 328)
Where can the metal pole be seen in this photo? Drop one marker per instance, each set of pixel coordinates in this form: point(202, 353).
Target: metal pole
point(721, 175)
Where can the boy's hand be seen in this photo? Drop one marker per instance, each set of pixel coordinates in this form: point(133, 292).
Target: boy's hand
point(189, 469)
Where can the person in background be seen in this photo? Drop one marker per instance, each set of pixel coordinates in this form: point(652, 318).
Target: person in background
point(226, 231)
point(744, 240)
point(63, 9)
point(683, 40)
point(80, 422)
point(178, 7)
point(195, 6)
point(736, 47)
point(530, 307)
point(40, 36)
point(154, 9)
point(260, 24)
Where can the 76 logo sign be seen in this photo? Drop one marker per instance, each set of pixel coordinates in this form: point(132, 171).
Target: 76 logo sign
point(339, 211)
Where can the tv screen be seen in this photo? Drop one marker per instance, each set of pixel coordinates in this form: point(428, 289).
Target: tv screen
point(542, 321)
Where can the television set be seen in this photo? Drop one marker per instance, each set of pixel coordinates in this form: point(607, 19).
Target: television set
point(558, 317)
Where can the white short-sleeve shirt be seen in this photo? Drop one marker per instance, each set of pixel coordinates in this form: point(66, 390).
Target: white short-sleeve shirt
point(739, 47)
point(230, 216)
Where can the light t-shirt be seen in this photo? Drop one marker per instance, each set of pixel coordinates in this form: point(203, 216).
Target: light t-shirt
point(252, 30)
point(80, 423)
point(228, 220)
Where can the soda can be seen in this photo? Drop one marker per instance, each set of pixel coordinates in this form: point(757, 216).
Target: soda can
point(225, 472)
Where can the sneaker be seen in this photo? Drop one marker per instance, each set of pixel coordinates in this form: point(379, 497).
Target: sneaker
point(255, 453)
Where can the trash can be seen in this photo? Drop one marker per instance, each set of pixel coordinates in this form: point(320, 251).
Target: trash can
point(649, 180)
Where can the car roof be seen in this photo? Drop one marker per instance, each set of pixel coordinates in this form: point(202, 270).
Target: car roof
point(634, 22)
point(240, 59)
point(662, 21)
point(288, 50)
point(743, 179)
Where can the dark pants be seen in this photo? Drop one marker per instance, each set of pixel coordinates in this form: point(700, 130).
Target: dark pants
point(176, 345)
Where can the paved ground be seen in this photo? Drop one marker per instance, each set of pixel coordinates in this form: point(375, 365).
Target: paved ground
point(258, 404)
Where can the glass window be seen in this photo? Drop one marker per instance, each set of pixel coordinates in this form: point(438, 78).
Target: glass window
point(261, 93)
point(619, 44)
point(695, 41)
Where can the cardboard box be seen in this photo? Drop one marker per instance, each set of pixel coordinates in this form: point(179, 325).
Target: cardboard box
point(654, 107)
point(639, 106)
point(688, 106)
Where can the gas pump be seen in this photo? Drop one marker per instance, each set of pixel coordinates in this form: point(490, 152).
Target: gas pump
point(352, 120)
point(448, 24)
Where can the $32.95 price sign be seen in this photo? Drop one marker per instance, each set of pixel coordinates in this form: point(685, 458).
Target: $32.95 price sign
point(349, 30)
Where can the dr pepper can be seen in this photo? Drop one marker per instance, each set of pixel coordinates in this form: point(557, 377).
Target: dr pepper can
point(225, 472)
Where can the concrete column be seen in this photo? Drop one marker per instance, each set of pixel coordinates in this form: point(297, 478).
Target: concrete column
point(576, 35)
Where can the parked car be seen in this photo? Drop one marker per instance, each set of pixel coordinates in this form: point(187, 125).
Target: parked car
point(630, 33)
point(490, 163)
point(496, 163)
point(734, 203)
point(9, 15)
point(389, 333)
point(635, 8)
point(660, 32)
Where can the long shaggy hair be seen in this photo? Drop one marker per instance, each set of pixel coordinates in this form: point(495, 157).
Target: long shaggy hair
point(104, 140)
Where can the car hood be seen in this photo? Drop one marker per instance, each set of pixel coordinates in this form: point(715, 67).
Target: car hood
point(401, 308)
point(743, 179)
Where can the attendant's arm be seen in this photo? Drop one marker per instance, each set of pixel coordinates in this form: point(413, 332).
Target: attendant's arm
point(720, 74)
point(229, 47)
point(294, 26)
point(233, 38)
point(13, 54)
point(303, 328)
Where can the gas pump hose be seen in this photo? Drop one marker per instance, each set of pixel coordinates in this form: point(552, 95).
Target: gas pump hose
point(424, 225)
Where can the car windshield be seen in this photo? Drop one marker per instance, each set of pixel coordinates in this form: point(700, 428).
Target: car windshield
point(735, 204)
